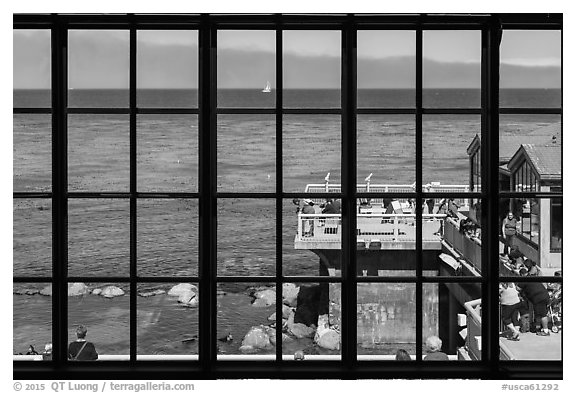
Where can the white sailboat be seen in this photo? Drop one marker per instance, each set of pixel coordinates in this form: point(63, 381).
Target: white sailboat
point(267, 89)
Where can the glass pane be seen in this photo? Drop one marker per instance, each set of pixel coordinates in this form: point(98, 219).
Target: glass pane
point(451, 69)
point(246, 237)
point(312, 68)
point(167, 237)
point(386, 321)
point(531, 321)
point(98, 153)
point(98, 237)
point(32, 65)
point(531, 237)
point(98, 65)
point(452, 321)
point(244, 329)
point(386, 151)
point(446, 165)
point(386, 242)
point(168, 321)
point(100, 314)
point(460, 229)
point(386, 68)
point(167, 153)
point(246, 68)
point(32, 237)
point(32, 337)
point(530, 141)
point(32, 146)
point(246, 153)
point(311, 321)
point(311, 151)
point(311, 240)
point(531, 68)
point(167, 74)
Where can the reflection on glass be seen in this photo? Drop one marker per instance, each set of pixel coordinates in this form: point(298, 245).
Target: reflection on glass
point(451, 69)
point(452, 321)
point(99, 313)
point(246, 153)
point(168, 321)
point(98, 153)
point(246, 68)
point(386, 320)
point(386, 242)
point(531, 321)
point(32, 159)
point(386, 148)
point(311, 68)
point(530, 68)
point(98, 65)
point(32, 237)
point(446, 140)
point(244, 323)
point(167, 153)
point(246, 237)
point(31, 68)
point(311, 239)
point(531, 236)
point(311, 152)
point(167, 68)
point(98, 237)
point(32, 337)
point(386, 65)
point(167, 237)
point(311, 321)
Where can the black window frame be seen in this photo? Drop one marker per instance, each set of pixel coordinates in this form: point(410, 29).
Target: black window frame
point(207, 367)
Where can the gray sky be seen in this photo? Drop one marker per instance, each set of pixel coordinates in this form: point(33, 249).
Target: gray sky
point(99, 59)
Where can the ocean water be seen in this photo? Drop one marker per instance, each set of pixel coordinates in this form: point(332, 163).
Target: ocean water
point(167, 161)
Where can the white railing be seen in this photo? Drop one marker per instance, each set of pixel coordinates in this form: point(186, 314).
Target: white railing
point(370, 227)
point(392, 188)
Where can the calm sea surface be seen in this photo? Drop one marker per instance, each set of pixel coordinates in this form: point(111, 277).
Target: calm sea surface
point(167, 161)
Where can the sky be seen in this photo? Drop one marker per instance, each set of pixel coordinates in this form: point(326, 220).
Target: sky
point(168, 59)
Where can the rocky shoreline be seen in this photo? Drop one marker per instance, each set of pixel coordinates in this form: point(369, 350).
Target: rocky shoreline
point(304, 312)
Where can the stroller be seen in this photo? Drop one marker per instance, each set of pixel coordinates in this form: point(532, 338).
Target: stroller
point(555, 307)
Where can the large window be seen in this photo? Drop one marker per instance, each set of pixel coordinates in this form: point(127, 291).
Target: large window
point(238, 193)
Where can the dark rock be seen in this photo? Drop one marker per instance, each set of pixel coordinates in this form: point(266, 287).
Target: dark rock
point(307, 304)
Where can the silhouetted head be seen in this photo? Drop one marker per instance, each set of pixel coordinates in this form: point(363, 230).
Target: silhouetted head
point(433, 344)
point(81, 331)
point(402, 355)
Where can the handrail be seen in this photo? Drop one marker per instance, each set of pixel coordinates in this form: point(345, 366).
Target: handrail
point(370, 227)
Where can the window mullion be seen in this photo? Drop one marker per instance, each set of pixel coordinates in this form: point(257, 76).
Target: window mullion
point(59, 196)
point(349, 137)
point(419, 193)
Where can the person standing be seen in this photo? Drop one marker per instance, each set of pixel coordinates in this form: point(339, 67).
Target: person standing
point(509, 231)
point(510, 302)
point(82, 349)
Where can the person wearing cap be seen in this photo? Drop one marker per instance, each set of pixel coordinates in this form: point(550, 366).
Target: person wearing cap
point(308, 208)
point(82, 349)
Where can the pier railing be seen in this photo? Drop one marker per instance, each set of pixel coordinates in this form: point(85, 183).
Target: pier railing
point(370, 227)
point(394, 188)
point(469, 247)
point(474, 328)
